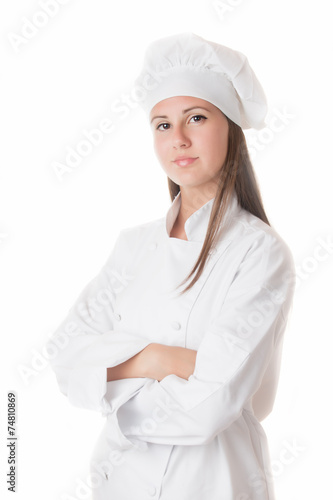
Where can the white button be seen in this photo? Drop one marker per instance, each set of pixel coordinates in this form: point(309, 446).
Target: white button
point(176, 325)
point(152, 491)
point(117, 317)
point(152, 246)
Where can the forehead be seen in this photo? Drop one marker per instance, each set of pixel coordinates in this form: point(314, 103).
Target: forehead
point(180, 104)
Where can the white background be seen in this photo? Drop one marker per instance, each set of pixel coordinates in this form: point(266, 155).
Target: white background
point(55, 235)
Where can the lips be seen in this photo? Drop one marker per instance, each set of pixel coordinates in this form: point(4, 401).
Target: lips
point(184, 161)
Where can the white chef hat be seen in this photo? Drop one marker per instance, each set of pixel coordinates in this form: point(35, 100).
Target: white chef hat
point(188, 65)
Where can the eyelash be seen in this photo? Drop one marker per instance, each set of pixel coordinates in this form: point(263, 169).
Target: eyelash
point(194, 116)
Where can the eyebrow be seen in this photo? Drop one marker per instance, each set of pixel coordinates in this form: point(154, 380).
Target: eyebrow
point(184, 112)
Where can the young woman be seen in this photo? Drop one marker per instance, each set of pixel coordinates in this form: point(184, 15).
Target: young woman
point(177, 340)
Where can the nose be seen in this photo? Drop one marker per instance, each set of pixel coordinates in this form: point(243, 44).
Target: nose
point(180, 139)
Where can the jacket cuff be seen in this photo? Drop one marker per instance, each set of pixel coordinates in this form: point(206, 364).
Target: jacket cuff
point(87, 387)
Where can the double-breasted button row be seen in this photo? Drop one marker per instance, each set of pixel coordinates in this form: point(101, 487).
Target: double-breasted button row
point(175, 324)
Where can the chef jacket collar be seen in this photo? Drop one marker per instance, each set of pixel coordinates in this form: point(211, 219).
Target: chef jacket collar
point(197, 223)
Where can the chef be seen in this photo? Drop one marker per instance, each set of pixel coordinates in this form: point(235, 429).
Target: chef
point(177, 341)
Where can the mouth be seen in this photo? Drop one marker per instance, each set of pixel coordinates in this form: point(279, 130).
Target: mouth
point(184, 161)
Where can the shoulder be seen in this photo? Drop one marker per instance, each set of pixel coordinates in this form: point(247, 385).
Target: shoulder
point(133, 242)
point(256, 234)
point(256, 245)
point(140, 236)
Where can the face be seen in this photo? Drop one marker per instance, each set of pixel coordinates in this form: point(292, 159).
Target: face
point(190, 141)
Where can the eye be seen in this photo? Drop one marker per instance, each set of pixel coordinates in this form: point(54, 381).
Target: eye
point(163, 126)
point(198, 118)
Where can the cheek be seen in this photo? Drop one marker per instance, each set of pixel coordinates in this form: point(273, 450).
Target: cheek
point(160, 149)
point(216, 145)
point(157, 148)
point(222, 146)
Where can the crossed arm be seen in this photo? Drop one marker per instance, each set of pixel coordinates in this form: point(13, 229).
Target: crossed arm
point(156, 361)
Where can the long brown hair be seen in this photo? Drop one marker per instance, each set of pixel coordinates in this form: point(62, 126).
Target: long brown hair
point(236, 174)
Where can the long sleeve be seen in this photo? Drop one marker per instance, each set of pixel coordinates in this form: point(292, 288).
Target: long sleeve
point(237, 348)
point(87, 342)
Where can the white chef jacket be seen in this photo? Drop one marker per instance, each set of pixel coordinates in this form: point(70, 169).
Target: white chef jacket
point(177, 439)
